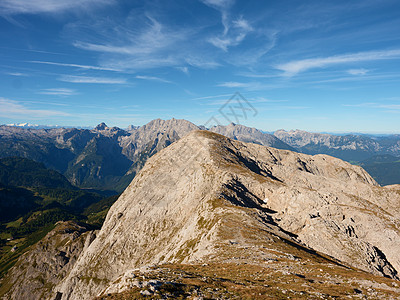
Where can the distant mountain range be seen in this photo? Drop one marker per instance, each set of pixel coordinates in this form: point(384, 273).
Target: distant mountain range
point(348, 147)
point(36, 126)
point(109, 157)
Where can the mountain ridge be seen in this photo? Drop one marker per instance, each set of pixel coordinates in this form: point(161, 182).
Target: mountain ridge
point(229, 188)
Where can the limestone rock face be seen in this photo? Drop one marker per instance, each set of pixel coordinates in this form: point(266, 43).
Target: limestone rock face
point(205, 196)
point(47, 263)
point(250, 135)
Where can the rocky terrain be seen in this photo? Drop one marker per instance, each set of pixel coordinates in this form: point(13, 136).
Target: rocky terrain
point(50, 260)
point(214, 217)
point(250, 135)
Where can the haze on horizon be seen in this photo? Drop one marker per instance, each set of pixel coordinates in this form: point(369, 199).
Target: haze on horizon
point(315, 66)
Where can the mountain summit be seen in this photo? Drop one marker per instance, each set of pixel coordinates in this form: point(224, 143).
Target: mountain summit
point(209, 200)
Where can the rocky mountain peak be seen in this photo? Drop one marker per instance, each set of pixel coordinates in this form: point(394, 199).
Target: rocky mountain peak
point(207, 198)
point(101, 126)
point(132, 128)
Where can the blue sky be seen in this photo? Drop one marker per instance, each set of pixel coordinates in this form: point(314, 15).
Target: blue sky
point(312, 65)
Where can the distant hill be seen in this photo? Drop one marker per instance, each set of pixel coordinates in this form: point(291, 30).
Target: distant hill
point(33, 199)
point(27, 186)
point(384, 168)
point(17, 171)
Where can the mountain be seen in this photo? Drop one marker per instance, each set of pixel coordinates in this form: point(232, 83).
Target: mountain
point(28, 125)
point(347, 147)
point(20, 179)
point(384, 168)
point(33, 199)
point(250, 135)
point(107, 157)
point(47, 262)
point(17, 171)
point(209, 215)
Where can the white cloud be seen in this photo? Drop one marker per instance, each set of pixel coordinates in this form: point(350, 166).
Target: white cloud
point(242, 24)
point(232, 84)
point(374, 105)
point(357, 71)
point(145, 44)
point(232, 36)
point(184, 70)
point(12, 7)
point(200, 62)
point(223, 6)
point(85, 67)
point(234, 31)
point(87, 79)
point(58, 92)
point(297, 66)
point(152, 38)
point(249, 86)
point(213, 97)
point(391, 106)
point(14, 109)
point(17, 74)
point(223, 44)
point(153, 78)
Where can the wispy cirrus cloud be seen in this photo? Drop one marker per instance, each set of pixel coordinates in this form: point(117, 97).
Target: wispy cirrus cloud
point(148, 41)
point(154, 36)
point(84, 67)
point(235, 31)
point(250, 86)
point(375, 105)
point(90, 79)
point(184, 70)
point(58, 92)
point(153, 78)
point(234, 84)
point(223, 6)
point(17, 74)
point(297, 66)
point(236, 34)
point(134, 47)
point(14, 109)
point(201, 62)
point(357, 72)
point(390, 106)
point(13, 7)
point(213, 97)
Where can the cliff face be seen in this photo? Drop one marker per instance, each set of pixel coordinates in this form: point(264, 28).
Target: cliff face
point(209, 199)
point(47, 263)
point(250, 135)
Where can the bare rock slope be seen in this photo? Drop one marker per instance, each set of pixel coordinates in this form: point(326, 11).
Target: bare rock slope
point(207, 199)
point(47, 262)
point(250, 135)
